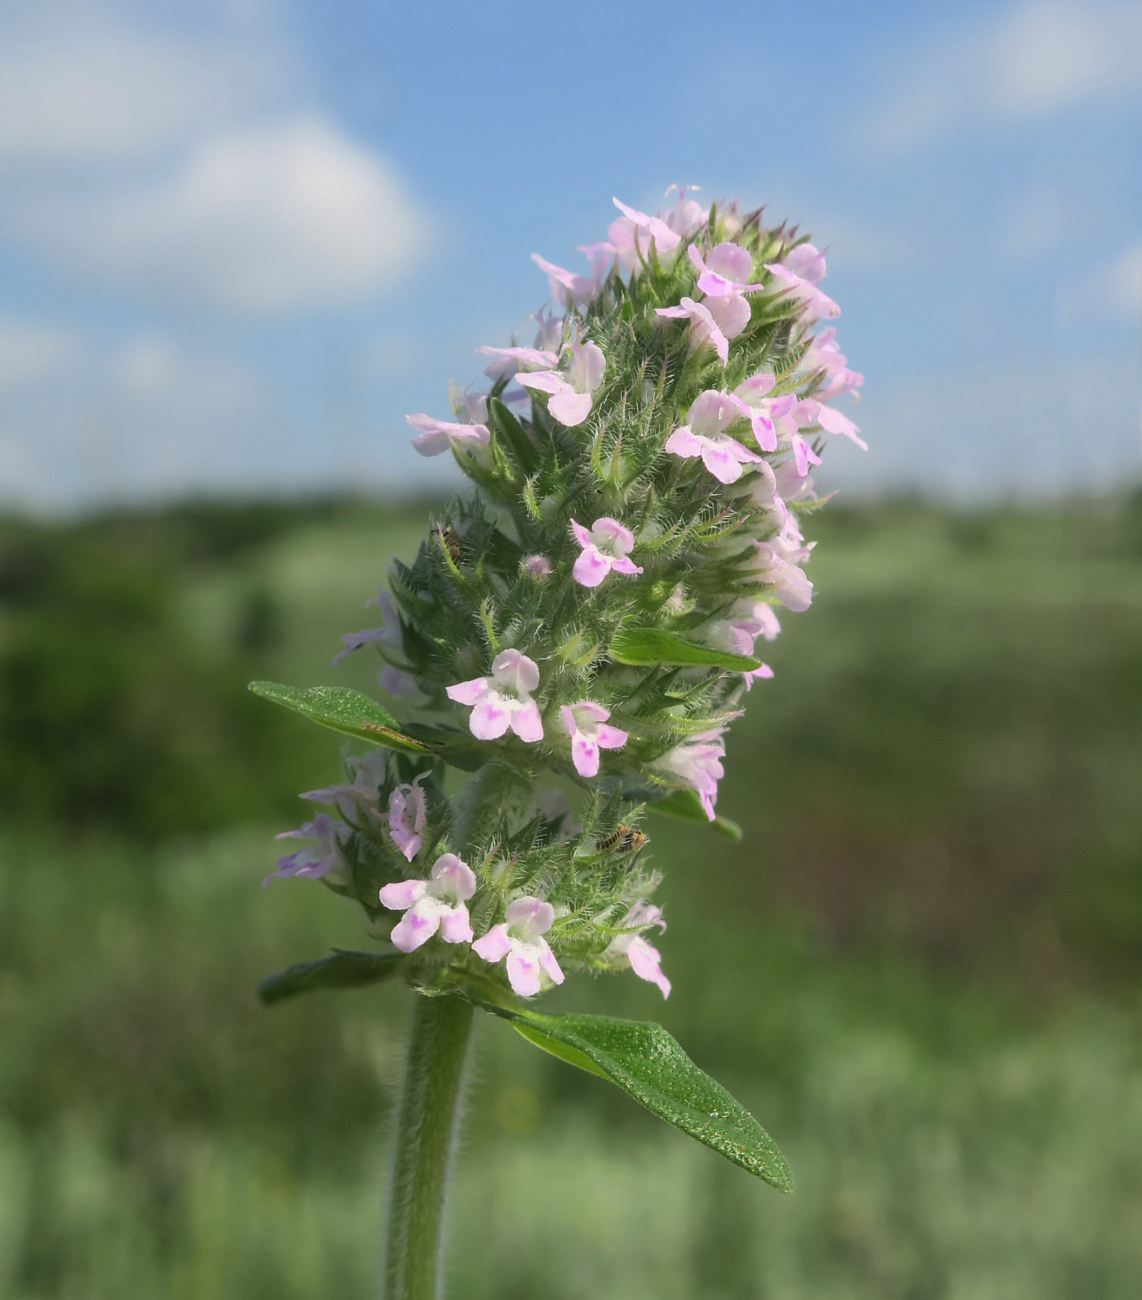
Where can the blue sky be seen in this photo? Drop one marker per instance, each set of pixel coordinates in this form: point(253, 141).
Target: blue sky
point(240, 239)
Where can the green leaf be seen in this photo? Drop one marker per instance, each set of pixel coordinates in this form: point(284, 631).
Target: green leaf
point(645, 645)
point(685, 806)
point(344, 970)
point(340, 709)
point(509, 429)
point(644, 1061)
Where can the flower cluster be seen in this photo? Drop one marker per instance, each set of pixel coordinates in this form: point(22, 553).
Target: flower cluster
point(578, 634)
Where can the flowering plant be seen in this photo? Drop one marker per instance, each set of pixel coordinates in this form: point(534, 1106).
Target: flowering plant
point(582, 625)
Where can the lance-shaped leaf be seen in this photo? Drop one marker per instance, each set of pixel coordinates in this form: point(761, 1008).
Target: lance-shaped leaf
point(685, 806)
point(647, 1064)
point(647, 645)
point(340, 709)
point(344, 970)
point(509, 429)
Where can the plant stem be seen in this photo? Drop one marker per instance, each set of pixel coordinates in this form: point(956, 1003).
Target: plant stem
point(438, 1045)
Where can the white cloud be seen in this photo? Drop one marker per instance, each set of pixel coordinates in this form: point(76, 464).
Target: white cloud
point(28, 351)
point(88, 87)
point(1044, 56)
point(278, 218)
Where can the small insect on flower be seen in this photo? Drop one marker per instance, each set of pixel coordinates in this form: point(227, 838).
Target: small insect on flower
point(633, 841)
point(609, 841)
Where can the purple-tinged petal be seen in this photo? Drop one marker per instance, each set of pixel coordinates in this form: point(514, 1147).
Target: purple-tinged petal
point(624, 564)
point(570, 408)
point(544, 381)
point(401, 896)
point(585, 754)
point(610, 530)
point(610, 737)
point(591, 567)
point(491, 717)
point(548, 963)
point(581, 535)
point(417, 926)
point(645, 962)
point(684, 444)
point(526, 722)
point(493, 946)
point(720, 460)
point(455, 925)
point(523, 971)
point(731, 314)
point(469, 692)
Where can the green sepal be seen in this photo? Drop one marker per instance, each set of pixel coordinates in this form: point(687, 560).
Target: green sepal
point(508, 428)
point(643, 646)
point(643, 1060)
point(344, 970)
point(685, 806)
point(343, 710)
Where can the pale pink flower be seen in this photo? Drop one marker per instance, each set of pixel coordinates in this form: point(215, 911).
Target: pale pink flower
point(509, 361)
point(790, 585)
point(538, 567)
point(585, 723)
point(439, 903)
point(351, 641)
point(436, 436)
point(824, 356)
point(724, 271)
point(810, 412)
point(761, 673)
point(368, 775)
point(687, 216)
point(698, 761)
point(710, 415)
point(519, 938)
point(632, 235)
point(815, 303)
point(645, 960)
point(406, 818)
point(570, 392)
point(807, 262)
point(713, 322)
point(503, 699)
point(606, 549)
point(762, 490)
point(316, 860)
point(567, 287)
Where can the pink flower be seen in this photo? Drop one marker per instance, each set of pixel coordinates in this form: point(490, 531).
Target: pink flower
point(811, 412)
point(632, 235)
point(792, 588)
point(406, 818)
point(762, 673)
point(538, 567)
point(567, 288)
point(698, 761)
point(508, 361)
point(724, 271)
point(387, 635)
point(645, 960)
point(316, 860)
point(503, 700)
point(520, 939)
point(711, 413)
point(368, 773)
point(814, 302)
point(351, 641)
point(714, 322)
point(437, 436)
point(824, 355)
point(585, 723)
point(570, 400)
point(431, 905)
point(688, 216)
point(606, 548)
point(807, 262)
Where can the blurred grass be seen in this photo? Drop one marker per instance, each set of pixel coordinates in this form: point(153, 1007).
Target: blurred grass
point(919, 969)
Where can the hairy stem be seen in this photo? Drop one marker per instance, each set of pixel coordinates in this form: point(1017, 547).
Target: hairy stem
point(426, 1132)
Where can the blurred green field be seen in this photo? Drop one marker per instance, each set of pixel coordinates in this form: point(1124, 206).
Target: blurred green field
point(920, 969)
